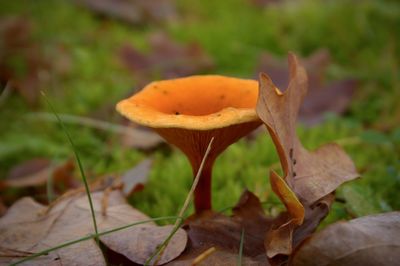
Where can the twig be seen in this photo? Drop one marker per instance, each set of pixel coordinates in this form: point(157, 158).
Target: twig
point(239, 262)
point(203, 256)
point(195, 182)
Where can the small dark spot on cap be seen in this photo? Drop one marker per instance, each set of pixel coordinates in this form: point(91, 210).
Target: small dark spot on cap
point(218, 114)
point(177, 113)
point(222, 96)
point(165, 92)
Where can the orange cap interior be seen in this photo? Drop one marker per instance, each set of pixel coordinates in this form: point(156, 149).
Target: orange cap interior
point(196, 102)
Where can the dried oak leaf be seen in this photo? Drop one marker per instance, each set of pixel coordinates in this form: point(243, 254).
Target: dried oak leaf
point(216, 230)
point(25, 230)
point(369, 240)
point(322, 97)
point(309, 177)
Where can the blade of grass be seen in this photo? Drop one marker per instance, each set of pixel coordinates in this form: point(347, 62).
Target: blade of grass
point(239, 261)
point(79, 164)
point(91, 236)
point(158, 253)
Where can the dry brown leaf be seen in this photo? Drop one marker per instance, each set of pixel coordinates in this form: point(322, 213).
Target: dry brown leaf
point(134, 179)
point(311, 175)
point(211, 229)
point(37, 172)
point(33, 172)
point(24, 229)
point(133, 11)
point(218, 258)
point(166, 59)
point(140, 138)
point(22, 61)
point(370, 240)
point(322, 97)
point(279, 238)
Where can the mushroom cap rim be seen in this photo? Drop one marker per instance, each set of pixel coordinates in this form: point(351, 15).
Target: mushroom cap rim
point(155, 119)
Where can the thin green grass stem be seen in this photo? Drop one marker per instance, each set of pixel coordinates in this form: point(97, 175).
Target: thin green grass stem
point(79, 164)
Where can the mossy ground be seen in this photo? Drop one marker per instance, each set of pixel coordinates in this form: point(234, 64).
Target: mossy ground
point(361, 36)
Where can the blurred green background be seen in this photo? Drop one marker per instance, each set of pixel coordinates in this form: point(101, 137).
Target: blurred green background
point(86, 59)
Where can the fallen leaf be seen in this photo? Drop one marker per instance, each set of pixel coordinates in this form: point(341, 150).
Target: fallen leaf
point(166, 59)
point(33, 172)
point(219, 257)
point(37, 172)
point(369, 240)
point(311, 175)
point(322, 97)
point(135, 178)
point(211, 229)
point(24, 229)
point(21, 59)
point(279, 238)
point(133, 11)
point(140, 138)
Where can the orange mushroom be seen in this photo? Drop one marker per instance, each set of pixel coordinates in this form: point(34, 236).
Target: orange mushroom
point(189, 111)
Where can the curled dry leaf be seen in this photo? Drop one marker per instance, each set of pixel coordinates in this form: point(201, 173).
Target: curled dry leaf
point(279, 239)
point(323, 96)
point(311, 175)
point(24, 229)
point(369, 240)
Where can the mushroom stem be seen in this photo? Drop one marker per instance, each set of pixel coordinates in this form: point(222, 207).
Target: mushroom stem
point(202, 192)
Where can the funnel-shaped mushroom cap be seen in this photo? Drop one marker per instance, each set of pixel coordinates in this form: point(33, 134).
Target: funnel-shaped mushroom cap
point(197, 102)
point(189, 111)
